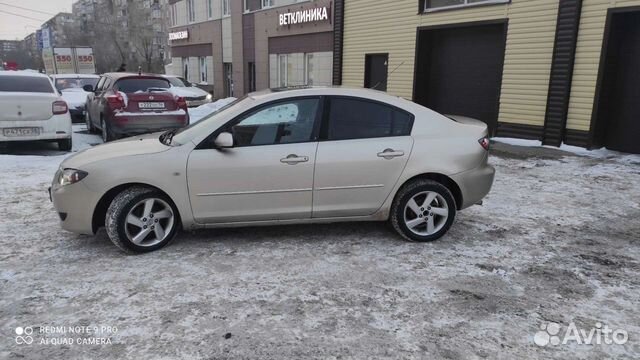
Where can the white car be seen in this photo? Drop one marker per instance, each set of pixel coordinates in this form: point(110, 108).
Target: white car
point(193, 94)
point(31, 109)
point(71, 86)
point(312, 155)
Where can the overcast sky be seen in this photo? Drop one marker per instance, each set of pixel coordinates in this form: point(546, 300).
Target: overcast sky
point(12, 26)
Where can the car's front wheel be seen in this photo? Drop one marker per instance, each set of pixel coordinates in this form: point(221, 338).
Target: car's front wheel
point(141, 219)
point(423, 211)
point(87, 119)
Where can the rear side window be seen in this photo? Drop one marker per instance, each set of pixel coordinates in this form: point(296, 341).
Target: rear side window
point(351, 118)
point(130, 86)
point(25, 84)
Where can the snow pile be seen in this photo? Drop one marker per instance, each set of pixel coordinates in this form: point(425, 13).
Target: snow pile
point(202, 111)
point(597, 153)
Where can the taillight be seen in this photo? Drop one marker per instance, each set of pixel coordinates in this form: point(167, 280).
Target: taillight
point(59, 107)
point(115, 101)
point(485, 143)
point(182, 102)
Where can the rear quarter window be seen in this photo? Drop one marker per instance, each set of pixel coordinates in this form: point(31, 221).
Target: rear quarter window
point(133, 85)
point(25, 84)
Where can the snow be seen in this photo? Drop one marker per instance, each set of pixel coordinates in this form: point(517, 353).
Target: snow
point(556, 240)
point(202, 111)
point(602, 153)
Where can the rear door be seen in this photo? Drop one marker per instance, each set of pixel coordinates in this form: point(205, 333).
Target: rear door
point(365, 147)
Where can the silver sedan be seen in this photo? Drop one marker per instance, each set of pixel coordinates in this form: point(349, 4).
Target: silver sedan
point(312, 155)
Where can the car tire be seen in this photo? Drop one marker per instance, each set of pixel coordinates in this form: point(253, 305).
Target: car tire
point(65, 144)
point(421, 220)
point(87, 119)
point(131, 227)
point(106, 132)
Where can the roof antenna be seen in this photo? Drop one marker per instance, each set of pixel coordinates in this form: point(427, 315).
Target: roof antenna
point(391, 73)
point(140, 70)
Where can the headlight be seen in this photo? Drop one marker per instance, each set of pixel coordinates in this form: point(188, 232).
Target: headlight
point(71, 176)
point(209, 96)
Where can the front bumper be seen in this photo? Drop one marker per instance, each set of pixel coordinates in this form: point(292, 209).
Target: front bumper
point(74, 204)
point(196, 103)
point(475, 184)
point(77, 114)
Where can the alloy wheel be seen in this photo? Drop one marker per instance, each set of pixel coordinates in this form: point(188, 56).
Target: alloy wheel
point(426, 213)
point(149, 222)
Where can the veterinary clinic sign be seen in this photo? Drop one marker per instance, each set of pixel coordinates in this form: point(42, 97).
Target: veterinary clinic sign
point(304, 16)
point(179, 35)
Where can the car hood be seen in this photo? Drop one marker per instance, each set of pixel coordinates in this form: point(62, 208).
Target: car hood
point(75, 97)
point(137, 145)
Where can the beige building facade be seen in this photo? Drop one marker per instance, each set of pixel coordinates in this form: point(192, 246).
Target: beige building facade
point(529, 68)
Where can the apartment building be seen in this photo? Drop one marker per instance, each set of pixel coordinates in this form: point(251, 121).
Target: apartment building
point(562, 71)
point(239, 46)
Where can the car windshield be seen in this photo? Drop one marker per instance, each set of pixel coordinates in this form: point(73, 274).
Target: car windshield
point(185, 134)
point(133, 85)
point(179, 82)
point(12, 83)
point(74, 83)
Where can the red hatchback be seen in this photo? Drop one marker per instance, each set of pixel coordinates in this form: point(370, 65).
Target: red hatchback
point(124, 104)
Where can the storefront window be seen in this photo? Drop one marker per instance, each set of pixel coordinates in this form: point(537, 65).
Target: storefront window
point(313, 69)
point(204, 73)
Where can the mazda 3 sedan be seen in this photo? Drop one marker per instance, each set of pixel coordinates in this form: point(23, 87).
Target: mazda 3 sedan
point(310, 155)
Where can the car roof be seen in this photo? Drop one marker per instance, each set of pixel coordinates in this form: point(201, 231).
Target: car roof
point(22, 73)
point(120, 75)
point(74, 76)
point(278, 93)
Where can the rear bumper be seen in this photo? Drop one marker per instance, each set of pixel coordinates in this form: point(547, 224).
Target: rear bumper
point(475, 184)
point(58, 127)
point(123, 125)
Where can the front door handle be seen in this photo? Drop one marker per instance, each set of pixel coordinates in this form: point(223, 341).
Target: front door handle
point(389, 154)
point(294, 159)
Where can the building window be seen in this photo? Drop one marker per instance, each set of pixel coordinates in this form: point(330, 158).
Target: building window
point(185, 68)
point(296, 69)
point(226, 8)
point(252, 76)
point(191, 10)
point(267, 3)
point(452, 4)
point(210, 8)
point(204, 76)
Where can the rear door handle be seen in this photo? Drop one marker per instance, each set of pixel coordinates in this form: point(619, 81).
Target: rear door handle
point(294, 159)
point(389, 154)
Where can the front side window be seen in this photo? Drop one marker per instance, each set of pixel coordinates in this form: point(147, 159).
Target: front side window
point(436, 4)
point(351, 118)
point(286, 122)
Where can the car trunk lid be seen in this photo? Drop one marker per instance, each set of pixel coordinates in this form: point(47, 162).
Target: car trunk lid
point(20, 106)
point(150, 101)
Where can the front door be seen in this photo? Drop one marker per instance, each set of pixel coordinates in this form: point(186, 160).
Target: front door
point(367, 145)
point(267, 175)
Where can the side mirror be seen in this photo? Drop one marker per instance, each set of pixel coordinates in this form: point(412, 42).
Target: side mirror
point(87, 88)
point(224, 140)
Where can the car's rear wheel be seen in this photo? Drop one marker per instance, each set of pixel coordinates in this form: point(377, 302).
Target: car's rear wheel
point(65, 144)
point(141, 220)
point(87, 119)
point(423, 211)
point(106, 132)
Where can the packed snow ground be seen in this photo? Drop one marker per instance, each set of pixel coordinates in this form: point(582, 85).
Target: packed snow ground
point(557, 240)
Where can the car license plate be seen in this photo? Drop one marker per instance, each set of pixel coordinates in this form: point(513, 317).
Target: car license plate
point(151, 105)
point(26, 131)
